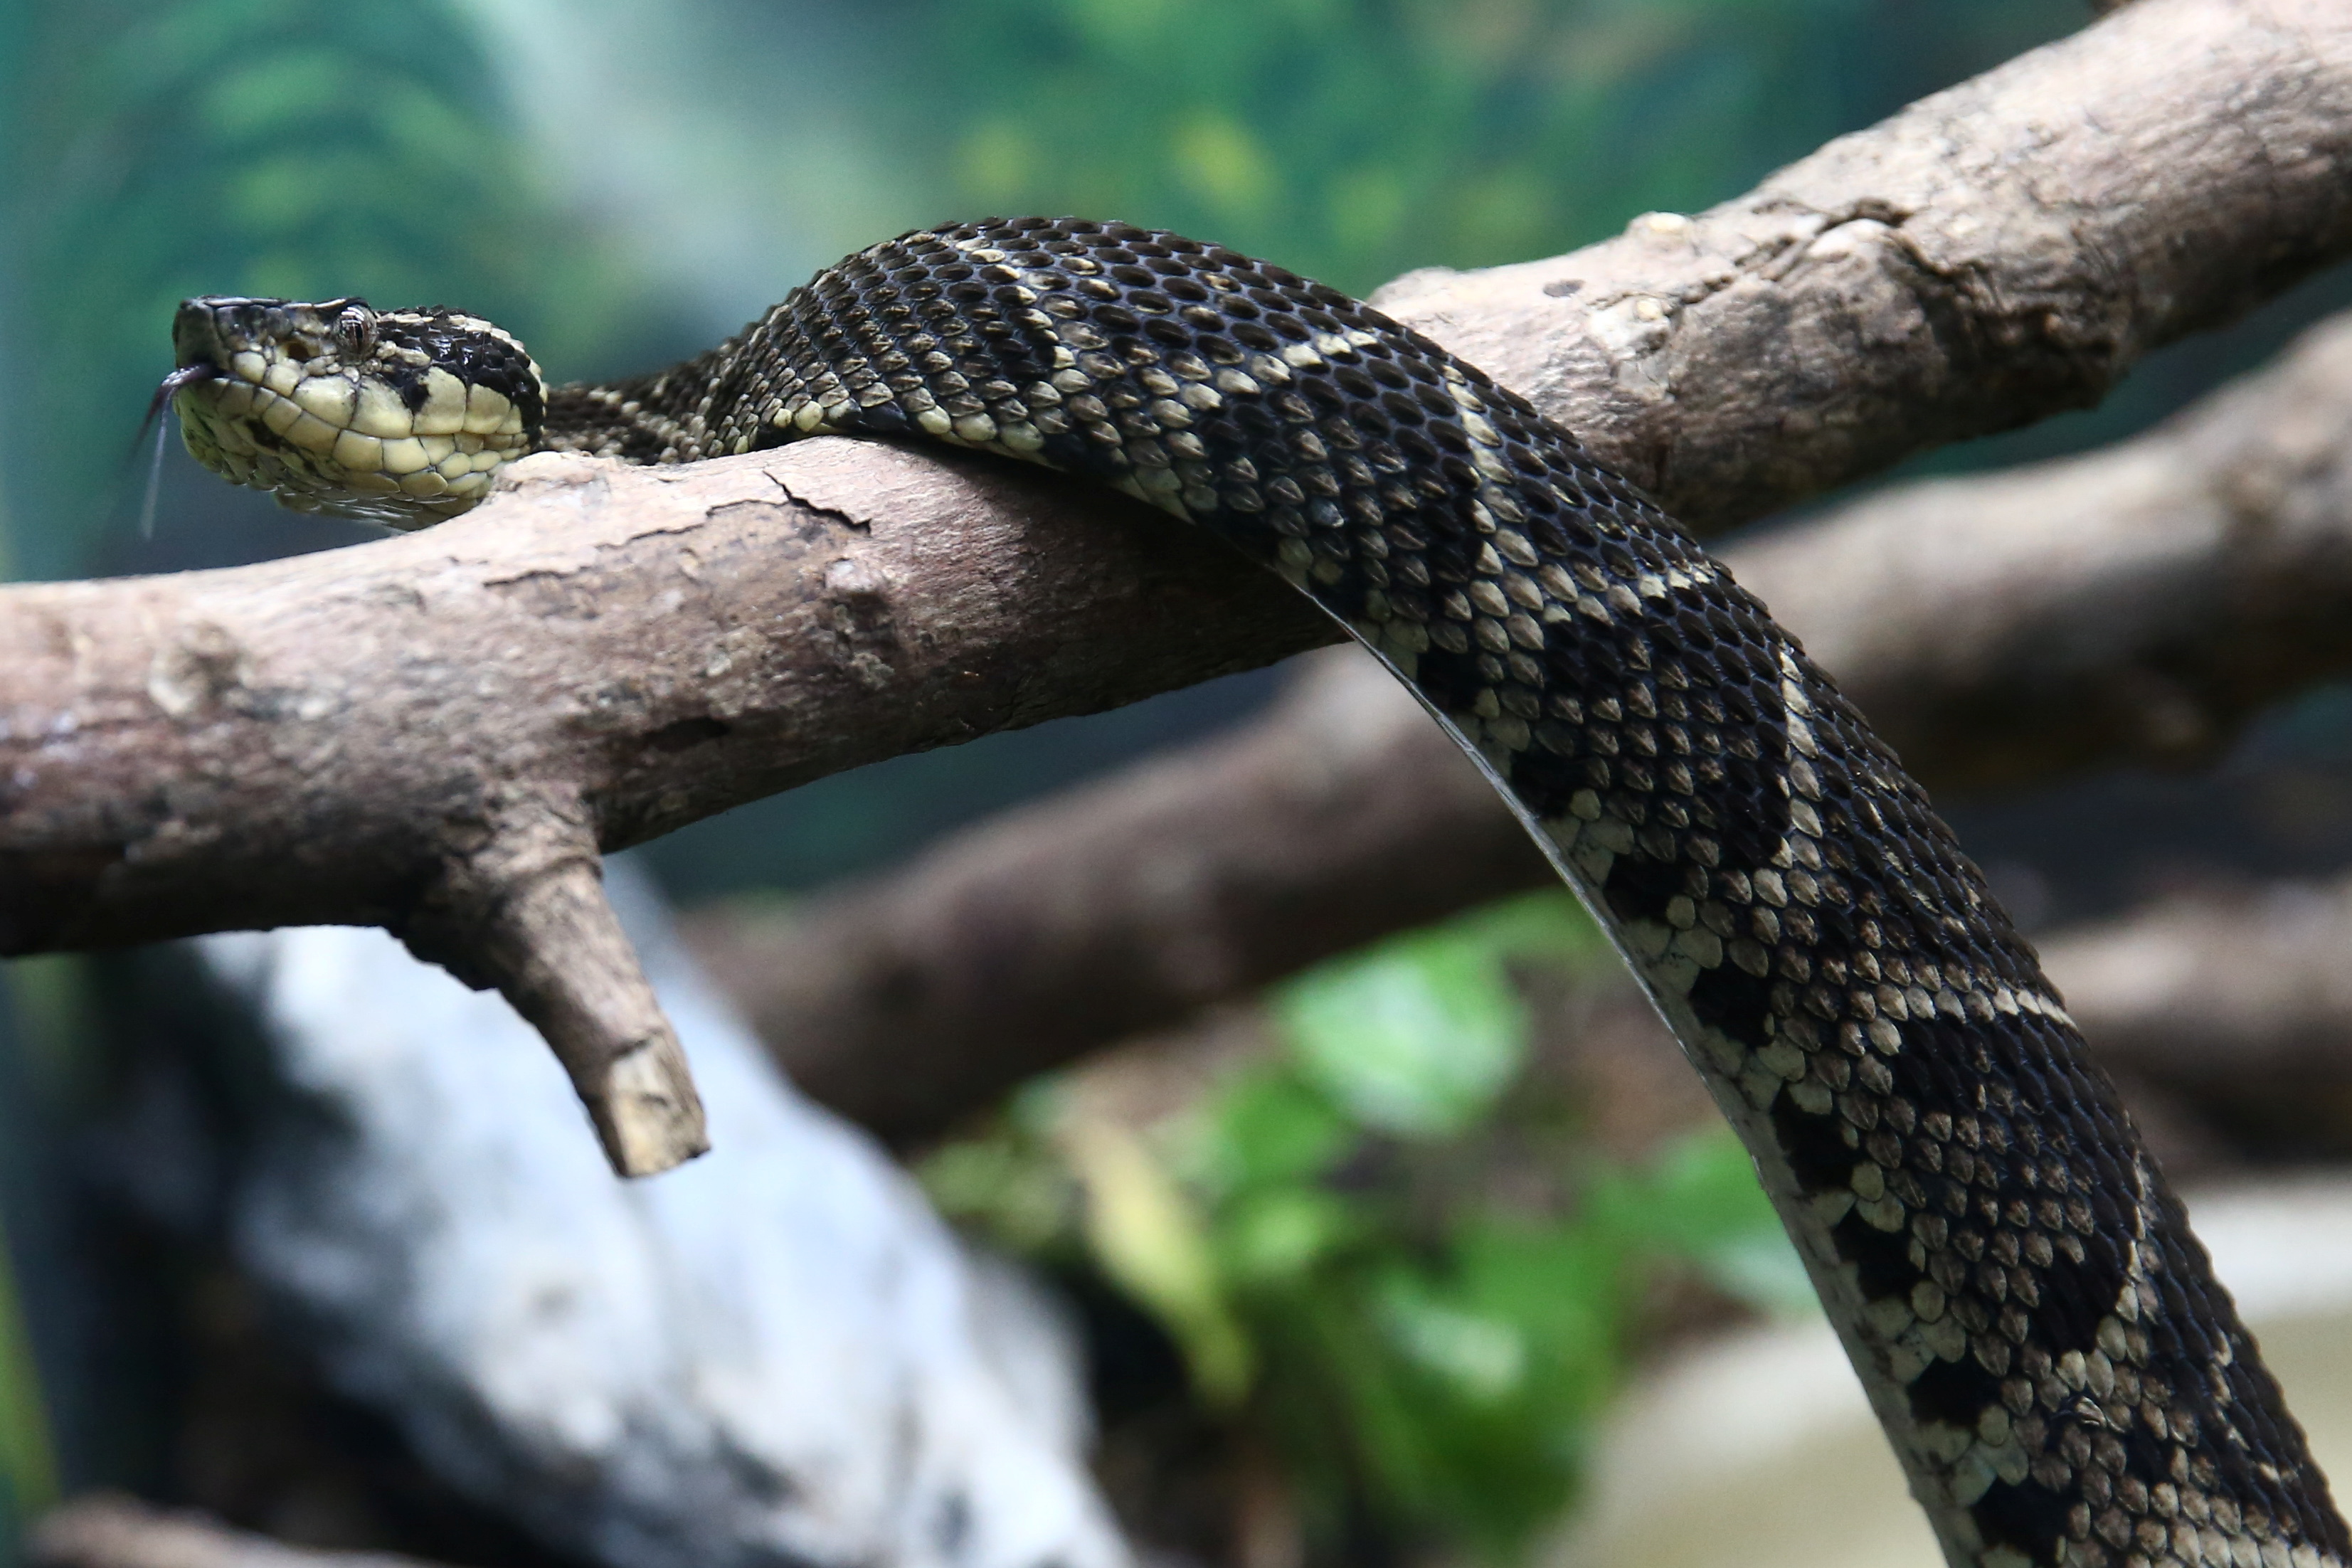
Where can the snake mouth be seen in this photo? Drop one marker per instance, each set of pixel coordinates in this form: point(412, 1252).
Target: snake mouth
point(396, 418)
point(180, 380)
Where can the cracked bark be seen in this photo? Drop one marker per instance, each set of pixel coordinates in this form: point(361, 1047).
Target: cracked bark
point(419, 733)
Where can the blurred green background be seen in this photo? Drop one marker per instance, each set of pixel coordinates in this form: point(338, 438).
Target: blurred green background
point(622, 184)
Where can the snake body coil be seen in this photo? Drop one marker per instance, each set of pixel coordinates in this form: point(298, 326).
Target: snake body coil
point(2039, 1333)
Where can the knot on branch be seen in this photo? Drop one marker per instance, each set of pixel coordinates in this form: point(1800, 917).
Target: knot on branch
point(524, 912)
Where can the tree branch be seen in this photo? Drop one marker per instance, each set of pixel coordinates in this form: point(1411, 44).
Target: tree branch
point(920, 996)
point(2241, 996)
point(420, 732)
point(1994, 254)
point(2140, 604)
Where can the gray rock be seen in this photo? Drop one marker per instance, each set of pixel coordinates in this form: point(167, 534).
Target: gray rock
point(777, 1354)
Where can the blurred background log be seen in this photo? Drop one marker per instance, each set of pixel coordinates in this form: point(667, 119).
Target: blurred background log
point(110, 1530)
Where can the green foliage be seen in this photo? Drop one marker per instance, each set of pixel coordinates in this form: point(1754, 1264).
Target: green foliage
point(1318, 1238)
point(1417, 1035)
point(1355, 140)
point(1698, 1201)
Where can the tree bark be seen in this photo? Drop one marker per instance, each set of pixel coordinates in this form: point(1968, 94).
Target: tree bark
point(438, 734)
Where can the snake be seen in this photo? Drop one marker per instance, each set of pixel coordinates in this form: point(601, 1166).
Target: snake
point(2040, 1333)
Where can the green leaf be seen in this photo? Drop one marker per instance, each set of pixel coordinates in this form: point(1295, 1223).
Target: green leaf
point(1415, 1037)
point(1267, 1127)
point(1550, 925)
point(1700, 1200)
point(1278, 1236)
point(1483, 1359)
point(1418, 1036)
point(1498, 1357)
point(1008, 1186)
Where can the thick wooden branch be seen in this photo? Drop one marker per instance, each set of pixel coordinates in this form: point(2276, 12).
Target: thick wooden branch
point(2140, 604)
point(2137, 604)
point(437, 733)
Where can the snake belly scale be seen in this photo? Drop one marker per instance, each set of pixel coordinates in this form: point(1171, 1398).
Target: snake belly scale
point(2040, 1333)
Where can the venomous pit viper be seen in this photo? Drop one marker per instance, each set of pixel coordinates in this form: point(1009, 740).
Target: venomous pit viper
point(2039, 1333)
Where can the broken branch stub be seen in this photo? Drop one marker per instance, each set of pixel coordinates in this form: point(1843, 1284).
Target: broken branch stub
point(526, 914)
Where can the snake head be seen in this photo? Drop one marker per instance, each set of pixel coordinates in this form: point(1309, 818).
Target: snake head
point(399, 417)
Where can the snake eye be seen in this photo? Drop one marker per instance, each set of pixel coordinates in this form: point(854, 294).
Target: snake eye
point(355, 331)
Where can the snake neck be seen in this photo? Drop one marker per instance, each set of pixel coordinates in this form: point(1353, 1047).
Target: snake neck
point(666, 417)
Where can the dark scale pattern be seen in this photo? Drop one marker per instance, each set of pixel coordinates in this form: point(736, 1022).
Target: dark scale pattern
point(2040, 1332)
